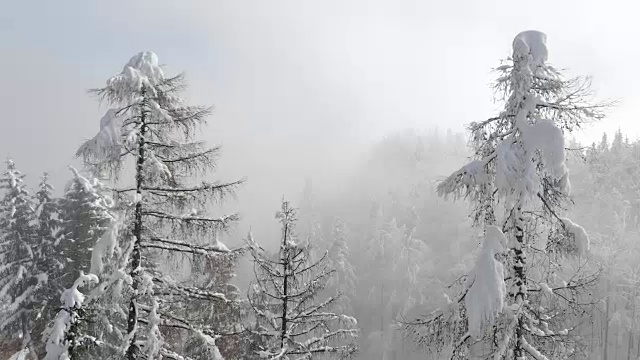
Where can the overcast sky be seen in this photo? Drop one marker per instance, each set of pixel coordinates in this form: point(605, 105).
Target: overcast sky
point(295, 77)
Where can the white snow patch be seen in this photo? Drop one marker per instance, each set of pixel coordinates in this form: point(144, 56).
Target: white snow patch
point(57, 346)
point(579, 234)
point(548, 138)
point(107, 142)
point(531, 43)
point(546, 289)
point(142, 71)
point(104, 248)
point(486, 287)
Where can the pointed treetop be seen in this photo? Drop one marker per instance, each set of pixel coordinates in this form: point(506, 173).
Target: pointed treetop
point(44, 182)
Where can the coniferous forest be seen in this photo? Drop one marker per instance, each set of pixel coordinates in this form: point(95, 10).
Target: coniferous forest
point(514, 240)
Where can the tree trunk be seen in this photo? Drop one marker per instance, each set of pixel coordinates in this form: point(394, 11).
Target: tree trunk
point(616, 344)
point(632, 301)
point(285, 286)
point(520, 280)
point(382, 311)
point(136, 254)
point(606, 328)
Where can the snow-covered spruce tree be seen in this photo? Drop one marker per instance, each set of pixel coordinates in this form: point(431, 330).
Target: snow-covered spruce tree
point(163, 208)
point(48, 256)
point(293, 323)
point(20, 278)
point(66, 336)
point(84, 218)
point(517, 184)
point(344, 280)
point(90, 225)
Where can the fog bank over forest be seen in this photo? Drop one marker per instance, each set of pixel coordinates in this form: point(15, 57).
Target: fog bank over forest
point(296, 180)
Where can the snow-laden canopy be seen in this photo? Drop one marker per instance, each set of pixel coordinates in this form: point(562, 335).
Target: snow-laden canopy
point(531, 42)
point(141, 70)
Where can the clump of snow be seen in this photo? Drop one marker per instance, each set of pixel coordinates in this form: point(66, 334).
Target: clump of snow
point(509, 172)
point(219, 246)
point(486, 287)
point(547, 138)
point(516, 170)
point(104, 248)
point(211, 348)
point(141, 72)
point(531, 43)
point(471, 174)
point(546, 289)
point(72, 296)
point(145, 63)
point(109, 134)
point(579, 234)
point(107, 142)
point(157, 167)
point(474, 173)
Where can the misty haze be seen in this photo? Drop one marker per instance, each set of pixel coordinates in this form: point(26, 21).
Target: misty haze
point(287, 179)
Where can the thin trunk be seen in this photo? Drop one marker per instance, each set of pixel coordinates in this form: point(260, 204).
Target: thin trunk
point(617, 337)
point(606, 328)
point(632, 301)
point(382, 310)
point(520, 280)
point(136, 254)
point(285, 286)
point(593, 340)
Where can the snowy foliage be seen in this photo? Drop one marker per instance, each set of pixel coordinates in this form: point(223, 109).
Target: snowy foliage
point(485, 286)
point(149, 124)
point(49, 255)
point(519, 180)
point(86, 215)
point(64, 338)
point(291, 322)
point(20, 277)
point(344, 281)
point(579, 236)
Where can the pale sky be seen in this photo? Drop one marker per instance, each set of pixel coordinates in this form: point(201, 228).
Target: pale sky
point(299, 79)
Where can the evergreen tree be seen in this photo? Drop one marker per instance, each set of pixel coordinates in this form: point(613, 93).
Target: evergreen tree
point(89, 222)
point(163, 209)
point(48, 256)
point(517, 184)
point(20, 278)
point(84, 218)
point(344, 281)
point(292, 321)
